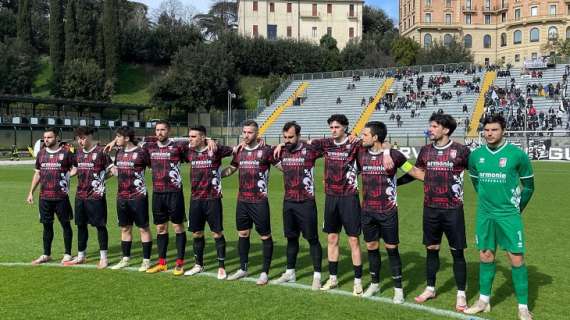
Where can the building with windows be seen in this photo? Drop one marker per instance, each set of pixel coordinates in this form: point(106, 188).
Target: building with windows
point(301, 19)
point(496, 31)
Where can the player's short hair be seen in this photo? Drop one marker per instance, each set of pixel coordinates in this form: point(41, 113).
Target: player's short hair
point(292, 124)
point(52, 129)
point(164, 122)
point(495, 118)
point(84, 131)
point(251, 123)
point(444, 120)
point(126, 131)
point(340, 118)
point(378, 129)
point(199, 128)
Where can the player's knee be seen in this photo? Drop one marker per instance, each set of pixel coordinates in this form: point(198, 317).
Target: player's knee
point(372, 245)
point(179, 228)
point(458, 255)
point(332, 239)
point(517, 259)
point(198, 234)
point(353, 242)
point(265, 237)
point(390, 246)
point(243, 233)
point(486, 256)
point(217, 235)
point(433, 247)
point(161, 228)
point(126, 229)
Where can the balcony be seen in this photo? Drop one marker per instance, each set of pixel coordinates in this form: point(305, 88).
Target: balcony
point(439, 26)
point(537, 20)
point(310, 15)
point(351, 16)
point(471, 9)
point(495, 9)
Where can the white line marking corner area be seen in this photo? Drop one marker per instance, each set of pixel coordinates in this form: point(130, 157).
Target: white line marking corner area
point(413, 306)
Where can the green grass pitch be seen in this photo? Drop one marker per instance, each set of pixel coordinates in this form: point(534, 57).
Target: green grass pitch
point(50, 292)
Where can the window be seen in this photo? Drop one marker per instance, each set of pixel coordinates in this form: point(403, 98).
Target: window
point(487, 19)
point(255, 6)
point(552, 33)
point(351, 32)
point(488, 4)
point(271, 7)
point(427, 18)
point(314, 9)
point(517, 57)
point(534, 11)
point(552, 10)
point(517, 14)
point(314, 32)
point(534, 56)
point(329, 8)
point(568, 33)
point(468, 18)
point(255, 31)
point(329, 31)
point(517, 37)
point(534, 35)
point(487, 41)
point(468, 41)
point(351, 10)
point(503, 17)
point(468, 4)
point(448, 3)
point(447, 40)
point(271, 32)
point(427, 40)
point(289, 32)
point(428, 3)
point(503, 39)
point(289, 7)
point(448, 19)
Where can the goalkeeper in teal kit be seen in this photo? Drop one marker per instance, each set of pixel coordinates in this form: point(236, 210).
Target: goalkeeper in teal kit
point(502, 176)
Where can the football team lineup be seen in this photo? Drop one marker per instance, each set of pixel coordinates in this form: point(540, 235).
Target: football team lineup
point(501, 174)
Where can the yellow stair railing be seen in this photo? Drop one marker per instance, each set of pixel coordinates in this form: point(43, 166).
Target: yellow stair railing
point(371, 107)
point(488, 81)
point(282, 107)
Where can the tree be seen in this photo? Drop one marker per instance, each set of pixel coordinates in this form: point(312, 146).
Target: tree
point(404, 51)
point(375, 20)
point(57, 45)
point(8, 22)
point(222, 17)
point(110, 38)
point(85, 80)
point(175, 9)
point(18, 67)
point(169, 35)
point(70, 31)
point(453, 52)
point(24, 28)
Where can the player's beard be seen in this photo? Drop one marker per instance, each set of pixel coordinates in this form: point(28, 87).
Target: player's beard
point(291, 146)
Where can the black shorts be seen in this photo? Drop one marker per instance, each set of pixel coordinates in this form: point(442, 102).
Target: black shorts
point(91, 211)
point(248, 214)
point(448, 221)
point(168, 206)
point(133, 210)
point(380, 225)
point(342, 212)
point(62, 208)
point(300, 217)
point(209, 210)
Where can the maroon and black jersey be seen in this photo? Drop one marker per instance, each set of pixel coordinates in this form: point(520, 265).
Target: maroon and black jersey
point(130, 169)
point(165, 160)
point(253, 165)
point(340, 166)
point(443, 166)
point(378, 184)
point(54, 167)
point(92, 168)
point(205, 172)
point(298, 166)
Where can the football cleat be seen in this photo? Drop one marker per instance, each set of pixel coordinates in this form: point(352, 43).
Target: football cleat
point(479, 306)
point(222, 275)
point(425, 296)
point(330, 284)
point(285, 278)
point(357, 290)
point(263, 279)
point(195, 270)
point(178, 270)
point(238, 275)
point(122, 264)
point(156, 268)
point(75, 261)
point(398, 296)
point(371, 290)
point(42, 259)
point(66, 258)
point(145, 265)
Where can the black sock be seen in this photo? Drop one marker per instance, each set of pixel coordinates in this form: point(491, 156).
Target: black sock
point(333, 268)
point(243, 250)
point(103, 237)
point(357, 271)
point(292, 251)
point(67, 236)
point(199, 245)
point(459, 269)
point(316, 254)
point(126, 248)
point(374, 262)
point(82, 236)
point(48, 238)
point(181, 245)
point(432, 266)
point(267, 254)
point(395, 266)
point(162, 244)
point(221, 251)
point(147, 249)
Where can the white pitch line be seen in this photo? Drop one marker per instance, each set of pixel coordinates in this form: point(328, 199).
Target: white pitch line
point(413, 306)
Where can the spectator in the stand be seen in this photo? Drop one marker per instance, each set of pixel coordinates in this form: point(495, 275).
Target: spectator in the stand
point(440, 111)
point(398, 120)
point(392, 116)
point(338, 100)
point(465, 108)
point(363, 102)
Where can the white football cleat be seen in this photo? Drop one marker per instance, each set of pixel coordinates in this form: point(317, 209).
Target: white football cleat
point(524, 314)
point(238, 275)
point(66, 259)
point(222, 275)
point(42, 259)
point(398, 296)
point(479, 306)
point(330, 284)
point(316, 285)
point(373, 289)
point(357, 290)
point(195, 270)
point(286, 277)
point(145, 265)
point(425, 296)
point(263, 279)
point(122, 264)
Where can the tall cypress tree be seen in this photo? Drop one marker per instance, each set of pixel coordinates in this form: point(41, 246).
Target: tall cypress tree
point(24, 23)
point(70, 31)
point(111, 38)
point(56, 45)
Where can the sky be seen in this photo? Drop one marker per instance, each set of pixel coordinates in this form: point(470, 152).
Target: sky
point(390, 6)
